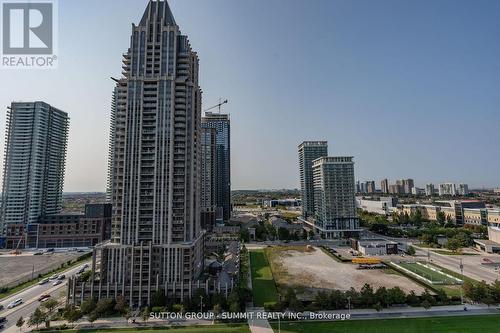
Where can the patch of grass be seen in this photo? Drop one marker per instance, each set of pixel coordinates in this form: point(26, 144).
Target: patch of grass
point(224, 328)
point(428, 273)
point(263, 286)
point(464, 324)
point(457, 275)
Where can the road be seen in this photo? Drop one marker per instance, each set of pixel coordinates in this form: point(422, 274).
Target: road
point(30, 297)
point(472, 265)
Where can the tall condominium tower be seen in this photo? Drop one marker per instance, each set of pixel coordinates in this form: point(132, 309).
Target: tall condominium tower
point(334, 197)
point(35, 155)
point(309, 151)
point(208, 177)
point(155, 166)
point(384, 185)
point(222, 187)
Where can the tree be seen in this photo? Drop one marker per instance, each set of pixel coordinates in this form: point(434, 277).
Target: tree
point(120, 305)
point(245, 235)
point(381, 296)
point(87, 306)
point(454, 245)
point(71, 313)
point(105, 307)
point(217, 309)
point(395, 296)
point(367, 296)
point(322, 300)
point(411, 250)
point(426, 304)
point(412, 299)
point(158, 298)
point(145, 314)
point(20, 323)
point(441, 218)
point(36, 318)
point(283, 234)
point(50, 305)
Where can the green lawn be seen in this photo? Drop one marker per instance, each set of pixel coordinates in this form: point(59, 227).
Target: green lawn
point(465, 324)
point(263, 286)
point(428, 273)
point(223, 328)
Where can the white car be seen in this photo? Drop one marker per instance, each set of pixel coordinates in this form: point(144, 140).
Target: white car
point(54, 277)
point(14, 303)
point(57, 282)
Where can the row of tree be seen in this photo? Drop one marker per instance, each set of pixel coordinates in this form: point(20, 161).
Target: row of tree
point(365, 298)
point(482, 292)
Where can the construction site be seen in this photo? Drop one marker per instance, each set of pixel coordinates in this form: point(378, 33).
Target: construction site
point(311, 270)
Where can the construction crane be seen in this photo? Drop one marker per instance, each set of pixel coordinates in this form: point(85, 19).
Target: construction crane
point(221, 103)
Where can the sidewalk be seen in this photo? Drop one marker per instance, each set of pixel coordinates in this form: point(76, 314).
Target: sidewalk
point(258, 325)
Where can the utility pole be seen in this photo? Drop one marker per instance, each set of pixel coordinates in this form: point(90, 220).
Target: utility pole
point(349, 304)
point(462, 286)
point(201, 304)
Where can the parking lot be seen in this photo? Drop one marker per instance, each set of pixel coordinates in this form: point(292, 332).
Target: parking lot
point(17, 269)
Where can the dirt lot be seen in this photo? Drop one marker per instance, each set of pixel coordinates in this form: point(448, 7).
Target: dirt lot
point(306, 269)
point(16, 269)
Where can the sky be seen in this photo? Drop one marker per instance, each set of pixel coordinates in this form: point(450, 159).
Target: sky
point(411, 89)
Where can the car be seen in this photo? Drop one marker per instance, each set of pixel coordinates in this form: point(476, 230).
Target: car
point(38, 253)
point(44, 297)
point(54, 277)
point(57, 282)
point(3, 320)
point(2, 326)
point(14, 303)
point(44, 281)
point(61, 277)
point(1, 307)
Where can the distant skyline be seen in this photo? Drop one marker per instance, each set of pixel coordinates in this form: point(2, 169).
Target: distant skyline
point(409, 88)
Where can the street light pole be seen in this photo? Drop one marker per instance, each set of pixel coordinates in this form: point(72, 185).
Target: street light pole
point(201, 304)
point(462, 286)
point(349, 304)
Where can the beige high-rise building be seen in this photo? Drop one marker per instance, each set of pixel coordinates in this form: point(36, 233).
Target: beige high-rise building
point(155, 168)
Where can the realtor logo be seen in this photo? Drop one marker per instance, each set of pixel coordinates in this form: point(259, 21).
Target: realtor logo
point(28, 34)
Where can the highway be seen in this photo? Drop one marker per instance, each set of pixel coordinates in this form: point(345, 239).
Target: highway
point(30, 298)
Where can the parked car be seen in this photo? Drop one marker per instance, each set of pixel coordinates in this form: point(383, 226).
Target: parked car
point(1, 307)
point(54, 277)
point(3, 320)
point(57, 282)
point(61, 277)
point(44, 281)
point(14, 303)
point(44, 297)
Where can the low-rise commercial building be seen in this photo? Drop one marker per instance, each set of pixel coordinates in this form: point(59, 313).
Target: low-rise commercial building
point(63, 230)
point(381, 206)
point(375, 246)
point(282, 202)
